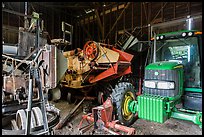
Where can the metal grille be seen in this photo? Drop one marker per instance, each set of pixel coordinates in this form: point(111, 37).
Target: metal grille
point(163, 75)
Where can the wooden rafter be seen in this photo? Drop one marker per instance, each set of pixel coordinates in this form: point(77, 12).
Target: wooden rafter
point(118, 19)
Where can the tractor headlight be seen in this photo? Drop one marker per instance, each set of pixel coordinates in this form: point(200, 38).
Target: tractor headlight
point(161, 37)
point(150, 84)
point(165, 85)
point(184, 34)
point(190, 33)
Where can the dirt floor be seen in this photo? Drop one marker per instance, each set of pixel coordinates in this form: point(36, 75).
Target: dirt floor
point(142, 127)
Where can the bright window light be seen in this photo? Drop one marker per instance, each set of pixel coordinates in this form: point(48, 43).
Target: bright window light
point(150, 84)
point(165, 85)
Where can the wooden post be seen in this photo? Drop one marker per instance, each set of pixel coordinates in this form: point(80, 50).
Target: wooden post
point(132, 25)
point(117, 19)
point(141, 19)
point(162, 11)
point(174, 10)
point(53, 15)
point(99, 22)
point(103, 24)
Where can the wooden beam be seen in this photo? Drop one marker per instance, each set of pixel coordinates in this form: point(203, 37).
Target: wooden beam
point(89, 35)
point(117, 19)
point(162, 12)
point(188, 5)
point(158, 12)
point(103, 25)
point(174, 10)
point(145, 10)
point(99, 23)
point(52, 8)
point(115, 9)
point(124, 20)
point(149, 12)
point(132, 25)
point(68, 6)
point(141, 18)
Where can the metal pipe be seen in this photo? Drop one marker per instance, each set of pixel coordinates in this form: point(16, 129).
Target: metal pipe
point(176, 21)
point(43, 108)
point(189, 22)
point(110, 131)
point(16, 13)
point(55, 60)
point(113, 125)
point(26, 6)
point(154, 49)
point(26, 23)
point(22, 61)
point(128, 130)
point(25, 59)
point(37, 56)
point(28, 124)
point(154, 53)
point(149, 32)
point(38, 33)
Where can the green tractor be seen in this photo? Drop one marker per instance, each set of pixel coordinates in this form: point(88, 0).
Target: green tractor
point(172, 84)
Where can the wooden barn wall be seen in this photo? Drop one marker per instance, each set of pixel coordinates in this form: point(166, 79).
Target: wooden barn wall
point(52, 20)
point(134, 19)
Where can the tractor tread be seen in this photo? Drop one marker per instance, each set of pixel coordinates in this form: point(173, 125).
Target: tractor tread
point(117, 94)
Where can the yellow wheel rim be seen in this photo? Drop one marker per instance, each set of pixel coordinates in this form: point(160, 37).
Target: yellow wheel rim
point(126, 113)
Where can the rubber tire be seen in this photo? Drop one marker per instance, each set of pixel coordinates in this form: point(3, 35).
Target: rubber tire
point(22, 116)
point(118, 99)
point(193, 101)
point(38, 116)
point(70, 98)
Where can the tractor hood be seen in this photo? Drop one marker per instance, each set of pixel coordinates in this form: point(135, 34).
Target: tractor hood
point(164, 65)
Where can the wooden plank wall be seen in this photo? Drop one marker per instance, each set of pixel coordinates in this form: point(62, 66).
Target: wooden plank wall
point(134, 19)
point(137, 16)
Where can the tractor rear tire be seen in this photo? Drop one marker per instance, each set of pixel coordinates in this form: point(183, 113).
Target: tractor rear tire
point(120, 94)
point(193, 101)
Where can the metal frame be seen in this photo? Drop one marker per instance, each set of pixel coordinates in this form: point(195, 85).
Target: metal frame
point(101, 117)
point(34, 73)
point(172, 22)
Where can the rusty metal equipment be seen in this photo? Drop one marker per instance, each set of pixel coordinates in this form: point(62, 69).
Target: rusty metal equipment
point(101, 118)
point(34, 119)
point(95, 63)
point(25, 108)
point(111, 62)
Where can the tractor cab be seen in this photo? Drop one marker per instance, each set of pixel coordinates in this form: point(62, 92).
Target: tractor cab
point(183, 47)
